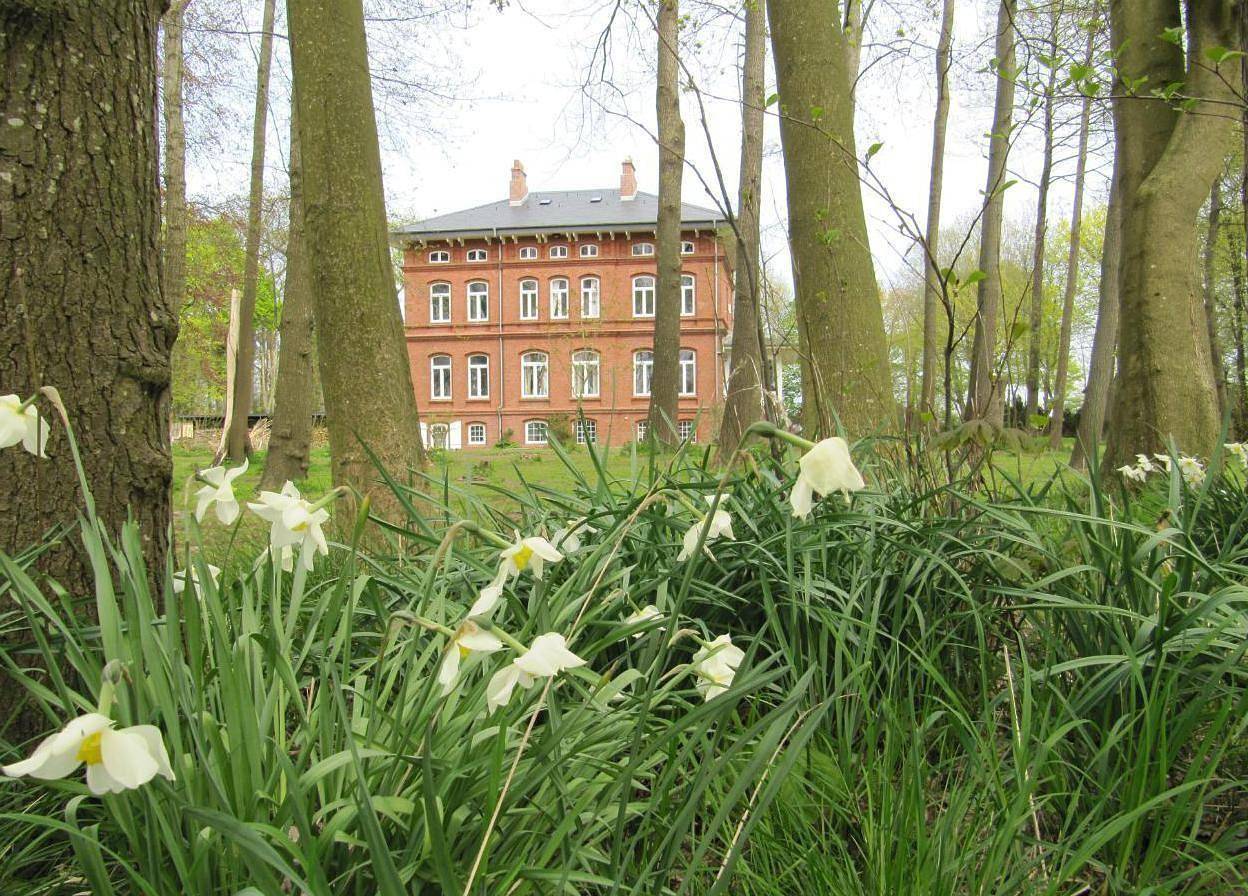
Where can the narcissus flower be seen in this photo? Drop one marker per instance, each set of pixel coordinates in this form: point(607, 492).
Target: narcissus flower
point(219, 490)
point(1137, 473)
point(22, 424)
point(715, 665)
point(1193, 470)
point(180, 577)
point(721, 527)
point(1240, 450)
point(116, 759)
point(546, 657)
point(568, 538)
point(645, 614)
point(296, 523)
point(469, 637)
point(531, 553)
point(825, 468)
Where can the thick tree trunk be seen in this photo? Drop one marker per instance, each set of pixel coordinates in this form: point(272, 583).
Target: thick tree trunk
point(846, 376)
point(290, 441)
point(1036, 317)
point(665, 383)
point(1057, 412)
point(983, 399)
point(1212, 235)
point(1171, 160)
point(174, 255)
point(932, 305)
point(238, 441)
point(80, 301)
point(1239, 402)
point(744, 403)
point(368, 406)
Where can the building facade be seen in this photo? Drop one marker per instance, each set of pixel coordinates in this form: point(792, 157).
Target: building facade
point(537, 313)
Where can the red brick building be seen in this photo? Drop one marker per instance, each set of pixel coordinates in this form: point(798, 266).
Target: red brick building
point(540, 308)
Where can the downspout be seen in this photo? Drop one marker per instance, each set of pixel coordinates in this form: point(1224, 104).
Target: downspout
point(502, 379)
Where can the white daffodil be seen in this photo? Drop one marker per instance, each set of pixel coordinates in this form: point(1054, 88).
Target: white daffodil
point(296, 523)
point(546, 657)
point(1143, 462)
point(527, 553)
point(180, 577)
point(219, 490)
point(1138, 473)
point(825, 468)
point(568, 538)
point(469, 637)
point(116, 759)
point(721, 527)
point(1240, 450)
point(645, 614)
point(715, 665)
point(22, 424)
point(1193, 470)
point(1165, 461)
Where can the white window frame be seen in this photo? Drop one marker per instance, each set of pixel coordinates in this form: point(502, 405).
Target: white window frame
point(642, 250)
point(686, 431)
point(442, 299)
point(591, 297)
point(478, 254)
point(688, 372)
point(529, 296)
point(535, 372)
point(559, 289)
point(558, 252)
point(643, 371)
point(586, 371)
point(643, 427)
point(586, 431)
point(483, 293)
point(688, 295)
point(588, 250)
point(686, 247)
point(439, 433)
point(440, 369)
point(529, 431)
point(478, 375)
point(528, 253)
point(644, 293)
point(474, 428)
point(439, 256)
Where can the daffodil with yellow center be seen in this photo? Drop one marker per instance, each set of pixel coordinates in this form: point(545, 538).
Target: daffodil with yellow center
point(468, 638)
point(532, 553)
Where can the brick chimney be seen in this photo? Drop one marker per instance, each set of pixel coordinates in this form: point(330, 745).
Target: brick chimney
point(519, 185)
point(628, 181)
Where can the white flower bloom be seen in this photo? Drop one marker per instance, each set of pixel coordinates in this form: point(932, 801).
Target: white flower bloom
point(546, 657)
point(295, 524)
point(1240, 450)
point(180, 577)
point(490, 596)
point(24, 425)
point(1139, 474)
point(721, 527)
point(1193, 470)
point(1165, 461)
point(645, 614)
point(468, 637)
point(116, 760)
point(527, 553)
point(825, 468)
point(568, 538)
point(715, 665)
point(1143, 463)
point(219, 490)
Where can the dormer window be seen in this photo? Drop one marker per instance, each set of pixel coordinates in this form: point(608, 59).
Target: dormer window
point(478, 255)
point(439, 256)
point(528, 253)
point(558, 251)
point(643, 249)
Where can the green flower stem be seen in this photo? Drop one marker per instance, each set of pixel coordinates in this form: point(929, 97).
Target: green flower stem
point(329, 496)
point(503, 636)
point(492, 537)
point(27, 403)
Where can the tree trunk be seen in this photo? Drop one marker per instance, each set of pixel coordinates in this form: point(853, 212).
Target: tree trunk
point(368, 406)
point(1211, 294)
point(174, 255)
point(290, 441)
point(744, 402)
point(932, 305)
point(238, 441)
point(1036, 320)
point(846, 377)
point(1057, 413)
point(981, 397)
point(1239, 407)
point(80, 302)
point(665, 383)
point(1170, 161)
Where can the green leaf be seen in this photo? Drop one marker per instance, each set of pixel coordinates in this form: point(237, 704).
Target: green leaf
point(873, 149)
point(772, 100)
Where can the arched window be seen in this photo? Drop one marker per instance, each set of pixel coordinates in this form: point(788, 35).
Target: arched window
point(590, 301)
point(478, 254)
point(688, 372)
point(528, 252)
point(642, 249)
point(643, 296)
point(439, 256)
point(440, 377)
point(589, 250)
point(534, 375)
point(528, 300)
point(643, 370)
point(558, 251)
point(478, 376)
point(687, 294)
point(559, 298)
point(439, 303)
point(535, 432)
point(586, 365)
point(478, 300)
point(586, 431)
point(476, 433)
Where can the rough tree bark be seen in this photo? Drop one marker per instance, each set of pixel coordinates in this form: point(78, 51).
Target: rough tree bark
point(1170, 161)
point(982, 397)
point(81, 307)
point(1212, 235)
point(1239, 402)
point(744, 402)
point(932, 305)
point(1057, 413)
point(1036, 317)
point(171, 74)
point(845, 370)
point(665, 383)
point(367, 405)
point(290, 442)
point(237, 440)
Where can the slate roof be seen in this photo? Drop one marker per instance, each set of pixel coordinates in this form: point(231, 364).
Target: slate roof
point(558, 211)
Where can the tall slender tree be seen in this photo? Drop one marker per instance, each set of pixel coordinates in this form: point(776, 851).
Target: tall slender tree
point(744, 402)
point(845, 370)
point(1040, 238)
point(1210, 292)
point(369, 407)
point(171, 77)
point(665, 383)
